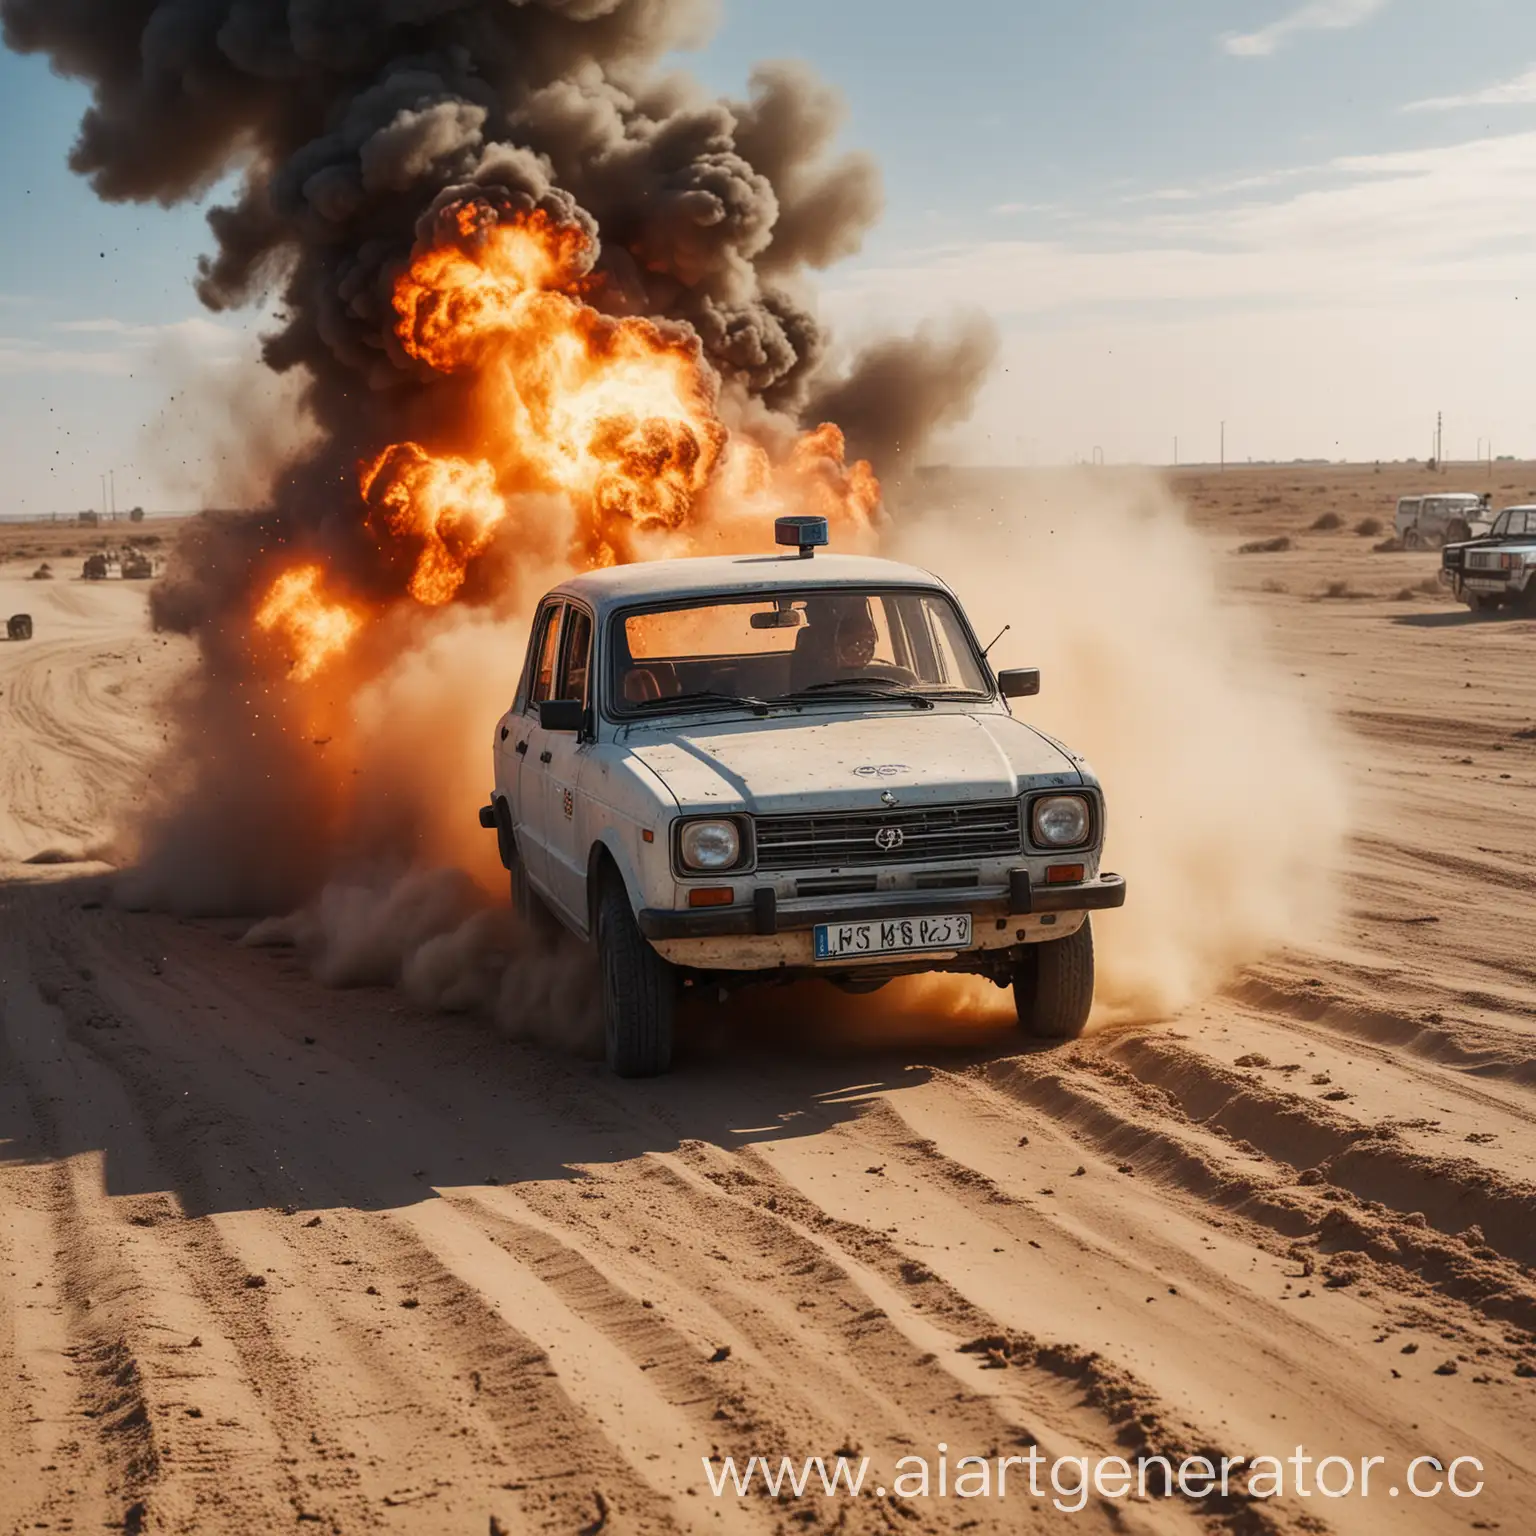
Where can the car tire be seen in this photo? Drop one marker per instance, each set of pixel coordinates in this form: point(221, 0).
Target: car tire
point(639, 990)
point(1411, 539)
point(1053, 986)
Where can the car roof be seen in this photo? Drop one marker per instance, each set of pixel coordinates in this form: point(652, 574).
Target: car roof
point(718, 575)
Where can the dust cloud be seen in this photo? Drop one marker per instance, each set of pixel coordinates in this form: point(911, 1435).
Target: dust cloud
point(1227, 800)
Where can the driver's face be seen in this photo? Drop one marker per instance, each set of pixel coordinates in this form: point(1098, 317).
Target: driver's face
point(855, 645)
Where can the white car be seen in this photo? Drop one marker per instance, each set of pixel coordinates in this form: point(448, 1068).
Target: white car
point(1440, 519)
point(722, 770)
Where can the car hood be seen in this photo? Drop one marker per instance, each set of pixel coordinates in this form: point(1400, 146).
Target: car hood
point(787, 765)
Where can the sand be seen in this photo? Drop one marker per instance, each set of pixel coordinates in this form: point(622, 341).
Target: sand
point(274, 1255)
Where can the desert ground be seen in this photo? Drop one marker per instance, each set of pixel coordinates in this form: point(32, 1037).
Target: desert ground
point(274, 1255)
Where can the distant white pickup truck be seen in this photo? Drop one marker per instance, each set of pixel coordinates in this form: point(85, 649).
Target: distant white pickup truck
point(1497, 570)
point(1448, 518)
point(729, 769)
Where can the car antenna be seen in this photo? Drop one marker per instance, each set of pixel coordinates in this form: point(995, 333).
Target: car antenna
point(998, 636)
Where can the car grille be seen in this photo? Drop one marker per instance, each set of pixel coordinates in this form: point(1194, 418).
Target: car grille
point(848, 840)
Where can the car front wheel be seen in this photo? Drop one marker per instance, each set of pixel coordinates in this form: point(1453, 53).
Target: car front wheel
point(1053, 986)
point(639, 990)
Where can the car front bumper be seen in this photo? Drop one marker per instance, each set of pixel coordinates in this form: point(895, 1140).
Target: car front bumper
point(768, 917)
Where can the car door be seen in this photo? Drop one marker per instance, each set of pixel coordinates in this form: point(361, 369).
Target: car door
point(528, 744)
point(567, 753)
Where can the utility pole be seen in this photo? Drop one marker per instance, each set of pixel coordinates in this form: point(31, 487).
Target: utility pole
point(1440, 440)
point(1223, 447)
point(103, 495)
point(112, 480)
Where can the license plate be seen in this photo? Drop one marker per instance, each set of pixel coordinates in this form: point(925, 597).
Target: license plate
point(893, 936)
point(1483, 583)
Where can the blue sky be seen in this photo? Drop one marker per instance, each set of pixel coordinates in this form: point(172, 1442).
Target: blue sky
point(1313, 218)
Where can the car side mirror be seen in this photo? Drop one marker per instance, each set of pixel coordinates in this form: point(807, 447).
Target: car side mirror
point(1019, 682)
point(562, 715)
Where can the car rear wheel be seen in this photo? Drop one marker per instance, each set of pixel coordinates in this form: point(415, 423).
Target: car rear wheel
point(639, 990)
point(1412, 539)
point(1053, 986)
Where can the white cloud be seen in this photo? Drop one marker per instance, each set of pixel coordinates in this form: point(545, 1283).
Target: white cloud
point(1335, 311)
point(118, 346)
point(1372, 229)
point(1520, 91)
point(21, 356)
point(1315, 16)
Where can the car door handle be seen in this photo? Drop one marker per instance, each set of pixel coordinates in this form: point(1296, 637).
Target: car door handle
point(522, 749)
point(544, 757)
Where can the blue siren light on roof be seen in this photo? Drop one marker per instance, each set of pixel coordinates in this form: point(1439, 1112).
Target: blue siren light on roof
point(804, 533)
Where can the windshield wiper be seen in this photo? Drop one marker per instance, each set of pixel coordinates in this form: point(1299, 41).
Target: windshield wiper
point(861, 688)
point(704, 698)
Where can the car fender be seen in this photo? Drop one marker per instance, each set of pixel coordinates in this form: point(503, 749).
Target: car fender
point(622, 802)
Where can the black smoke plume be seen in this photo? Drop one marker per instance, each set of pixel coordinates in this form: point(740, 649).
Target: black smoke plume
point(350, 125)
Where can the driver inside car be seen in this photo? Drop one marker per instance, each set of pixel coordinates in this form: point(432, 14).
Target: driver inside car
point(854, 648)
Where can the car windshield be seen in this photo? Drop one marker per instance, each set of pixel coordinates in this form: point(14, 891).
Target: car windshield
point(1514, 522)
point(793, 647)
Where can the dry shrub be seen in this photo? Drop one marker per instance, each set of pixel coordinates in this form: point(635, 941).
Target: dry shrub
point(1341, 589)
point(1368, 527)
point(1327, 522)
point(1277, 588)
point(1389, 546)
point(1275, 546)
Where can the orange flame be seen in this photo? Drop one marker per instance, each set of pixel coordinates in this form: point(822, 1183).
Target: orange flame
point(616, 417)
point(315, 629)
point(449, 506)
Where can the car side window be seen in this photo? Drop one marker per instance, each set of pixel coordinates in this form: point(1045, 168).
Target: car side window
point(542, 683)
point(576, 656)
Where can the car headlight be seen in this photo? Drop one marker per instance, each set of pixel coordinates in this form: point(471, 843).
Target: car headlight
point(1061, 821)
point(710, 845)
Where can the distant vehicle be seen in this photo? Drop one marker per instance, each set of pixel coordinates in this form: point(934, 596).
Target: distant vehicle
point(1450, 517)
point(721, 770)
point(1497, 570)
point(19, 627)
point(95, 568)
point(137, 567)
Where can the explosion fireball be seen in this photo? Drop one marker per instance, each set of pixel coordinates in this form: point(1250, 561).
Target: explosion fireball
point(619, 417)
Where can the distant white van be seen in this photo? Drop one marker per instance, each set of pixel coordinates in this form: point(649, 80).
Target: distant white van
point(1446, 518)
